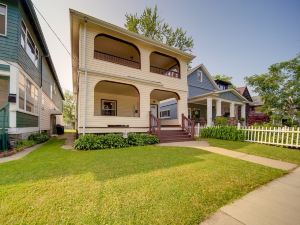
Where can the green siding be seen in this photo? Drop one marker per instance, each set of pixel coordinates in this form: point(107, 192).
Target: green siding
point(9, 43)
point(27, 120)
point(5, 67)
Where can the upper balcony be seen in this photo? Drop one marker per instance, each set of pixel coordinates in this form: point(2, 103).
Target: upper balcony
point(164, 65)
point(114, 50)
point(118, 51)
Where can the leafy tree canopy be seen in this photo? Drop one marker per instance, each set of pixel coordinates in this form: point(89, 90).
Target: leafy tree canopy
point(69, 109)
point(151, 25)
point(222, 77)
point(279, 88)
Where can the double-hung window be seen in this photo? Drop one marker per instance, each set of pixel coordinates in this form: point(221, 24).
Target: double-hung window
point(165, 113)
point(28, 44)
point(28, 95)
point(3, 19)
point(109, 107)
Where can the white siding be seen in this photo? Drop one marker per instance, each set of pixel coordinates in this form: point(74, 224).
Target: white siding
point(142, 79)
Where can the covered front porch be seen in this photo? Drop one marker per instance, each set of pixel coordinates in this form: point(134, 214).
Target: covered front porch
point(120, 107)
point(205, 109)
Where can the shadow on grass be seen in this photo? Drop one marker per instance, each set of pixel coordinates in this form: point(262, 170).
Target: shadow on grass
point(232, 145)
point(50, 161)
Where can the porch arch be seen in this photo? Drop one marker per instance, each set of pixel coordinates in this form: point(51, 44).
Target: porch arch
point(115, 50)
point(164, 104)
point(164, 64)
point(116, 99)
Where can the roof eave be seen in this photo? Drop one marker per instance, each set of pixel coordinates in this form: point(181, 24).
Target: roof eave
point(123, 31)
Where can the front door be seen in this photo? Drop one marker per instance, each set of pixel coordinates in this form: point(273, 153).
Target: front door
point(154, 110)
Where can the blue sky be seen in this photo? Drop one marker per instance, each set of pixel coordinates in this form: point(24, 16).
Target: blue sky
point(232, 37)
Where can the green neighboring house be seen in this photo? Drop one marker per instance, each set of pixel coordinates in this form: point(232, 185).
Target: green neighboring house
point(30, 94)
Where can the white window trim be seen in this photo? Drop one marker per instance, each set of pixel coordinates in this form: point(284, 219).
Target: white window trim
point(107, 100)
point(200, 76)
point(165, 117)
point(4, 35)
point(25, 96)
point(26, 44)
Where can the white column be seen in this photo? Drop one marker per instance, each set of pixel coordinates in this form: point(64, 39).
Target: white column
point(13, 89)
point(219, 107)
point(232, 109)
point(209, 111)
point(243, 111)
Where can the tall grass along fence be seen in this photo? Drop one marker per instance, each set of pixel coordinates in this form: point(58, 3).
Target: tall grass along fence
point(280, 136)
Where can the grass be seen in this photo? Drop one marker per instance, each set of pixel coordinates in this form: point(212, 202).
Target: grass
point(268, 151)
point(138, 185)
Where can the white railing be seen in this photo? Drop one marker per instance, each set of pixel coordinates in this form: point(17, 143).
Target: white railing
point(280, 136)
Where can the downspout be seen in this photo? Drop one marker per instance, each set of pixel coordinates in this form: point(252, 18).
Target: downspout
point(40, 97)
point(85, 77)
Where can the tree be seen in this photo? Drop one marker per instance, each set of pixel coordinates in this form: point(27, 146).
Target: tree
point(279, 89)
point(69, 109)
point(151, 25)
point(223, 77)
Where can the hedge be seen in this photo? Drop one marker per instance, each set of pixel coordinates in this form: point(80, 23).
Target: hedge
point(110, 141)
point(223, 132)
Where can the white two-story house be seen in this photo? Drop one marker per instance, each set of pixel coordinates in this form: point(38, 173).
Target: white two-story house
point(120, 76)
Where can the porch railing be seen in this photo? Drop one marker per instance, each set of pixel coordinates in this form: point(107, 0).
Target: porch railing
point(116, 59)
point(154, 125)
point(3, 126)
point(164, 72)
point(188, 125)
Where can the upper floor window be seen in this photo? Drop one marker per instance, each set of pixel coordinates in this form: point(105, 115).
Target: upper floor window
point(3, 19)
point(200, 76)
point(115, 50)
point(28, 44)
point(164, 64)
point(28, 95)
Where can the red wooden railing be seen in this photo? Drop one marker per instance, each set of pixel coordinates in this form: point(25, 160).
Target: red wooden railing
point(116, 59)
point(188, 125)
point(169, 73)
point(154, 125)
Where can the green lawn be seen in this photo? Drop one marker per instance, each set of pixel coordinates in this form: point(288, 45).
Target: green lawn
point(273, 152)
point(140, 185)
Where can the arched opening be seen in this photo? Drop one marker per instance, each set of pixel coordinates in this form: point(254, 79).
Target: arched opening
point(116, 99)
point(164, 65)
point(163, 104)
point(115, 50)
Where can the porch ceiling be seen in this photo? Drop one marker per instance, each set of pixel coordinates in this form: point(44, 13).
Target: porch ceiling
point(161, 95)
point(115, 88)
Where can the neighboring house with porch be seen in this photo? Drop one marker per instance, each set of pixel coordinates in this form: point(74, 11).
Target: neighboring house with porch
point(208, 99)
point(120, 76)
point(30, 93)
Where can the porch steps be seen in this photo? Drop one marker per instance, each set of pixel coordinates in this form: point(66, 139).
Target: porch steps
point(174, 136)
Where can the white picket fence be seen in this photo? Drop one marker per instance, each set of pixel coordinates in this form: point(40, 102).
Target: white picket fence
point(280, 136)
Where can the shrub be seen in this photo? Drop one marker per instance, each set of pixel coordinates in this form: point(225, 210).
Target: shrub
point(223, 132)
point(24, 144)
point(114, 141)
point(38, 137)
point(221, 121)
point(97, 142)
point(136, 139)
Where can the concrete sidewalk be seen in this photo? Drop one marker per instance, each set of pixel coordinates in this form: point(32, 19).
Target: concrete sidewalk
point(19, 155)
point(238, 155)
point(277, 203)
